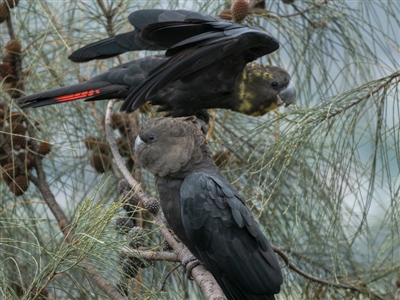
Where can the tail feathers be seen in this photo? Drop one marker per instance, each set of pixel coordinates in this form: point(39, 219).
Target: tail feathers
point(72, 93)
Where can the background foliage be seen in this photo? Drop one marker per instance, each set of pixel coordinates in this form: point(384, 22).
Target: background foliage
point(322, 175)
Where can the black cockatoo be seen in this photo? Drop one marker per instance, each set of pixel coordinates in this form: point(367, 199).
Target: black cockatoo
point(208, 63)
point(205, 211)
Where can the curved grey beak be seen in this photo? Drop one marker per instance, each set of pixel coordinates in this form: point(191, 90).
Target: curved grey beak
point(138, 143)
point(287, 95)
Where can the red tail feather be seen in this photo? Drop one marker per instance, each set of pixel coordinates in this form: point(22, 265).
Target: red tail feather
point(77, 96)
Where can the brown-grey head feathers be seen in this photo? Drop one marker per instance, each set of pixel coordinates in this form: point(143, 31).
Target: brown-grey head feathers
point(166, 146)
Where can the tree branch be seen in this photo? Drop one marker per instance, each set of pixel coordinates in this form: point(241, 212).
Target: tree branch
point(151, 255)
point(362, 290)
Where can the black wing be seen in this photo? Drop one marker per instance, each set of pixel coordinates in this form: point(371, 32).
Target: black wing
point(131, 41)
point(115, 83)
point(228, 239)
point(209, 47)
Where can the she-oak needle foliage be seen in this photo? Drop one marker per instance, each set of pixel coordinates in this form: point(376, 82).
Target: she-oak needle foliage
point(322, 176)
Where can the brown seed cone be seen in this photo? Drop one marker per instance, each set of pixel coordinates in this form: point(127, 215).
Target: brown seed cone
point(5, 70)
point(13, 47)
point(9, 58)
point(12, 3)
point(226, 14)
point(17, 136)
point(240, 10)
point(14, 91)
point(12, 87)
point(152, 205)
point(3, 113)
point(4, 159)
point(15, 128)
point(19, 185)
point(397, 283)
point(121, 122)
point(96, 144)
point(100, 162)
point(4, 12)
point(9, 172)
point(44, 148)
point(90, 141)
point(18, 142)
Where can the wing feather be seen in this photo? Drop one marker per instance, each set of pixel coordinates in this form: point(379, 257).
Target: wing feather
point(228, 238)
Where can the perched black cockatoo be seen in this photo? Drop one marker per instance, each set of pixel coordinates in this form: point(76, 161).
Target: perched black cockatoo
point(208, 63)
point(205, 211)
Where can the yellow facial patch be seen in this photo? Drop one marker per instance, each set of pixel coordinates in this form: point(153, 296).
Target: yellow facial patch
point(249, 89)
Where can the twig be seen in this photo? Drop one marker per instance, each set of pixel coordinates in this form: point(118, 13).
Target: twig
point(103, 284)
point(362, 290)
point(370, 94)
point(203, 278)
point(209, 133)
point(169, 273)
point(302, 12)
point(19, 203)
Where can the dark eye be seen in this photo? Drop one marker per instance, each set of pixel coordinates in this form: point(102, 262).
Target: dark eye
point(274, 83)
point(151, 138)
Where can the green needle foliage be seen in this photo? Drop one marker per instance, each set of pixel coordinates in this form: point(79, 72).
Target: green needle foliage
point(322, 176)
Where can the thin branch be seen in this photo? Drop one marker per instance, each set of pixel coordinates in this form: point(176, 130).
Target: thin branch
point(362, 290)
point(203, 278)
point(369, 95)
point(302, 12)
point(212, 123)
point(166, 277)
point(103, 284)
